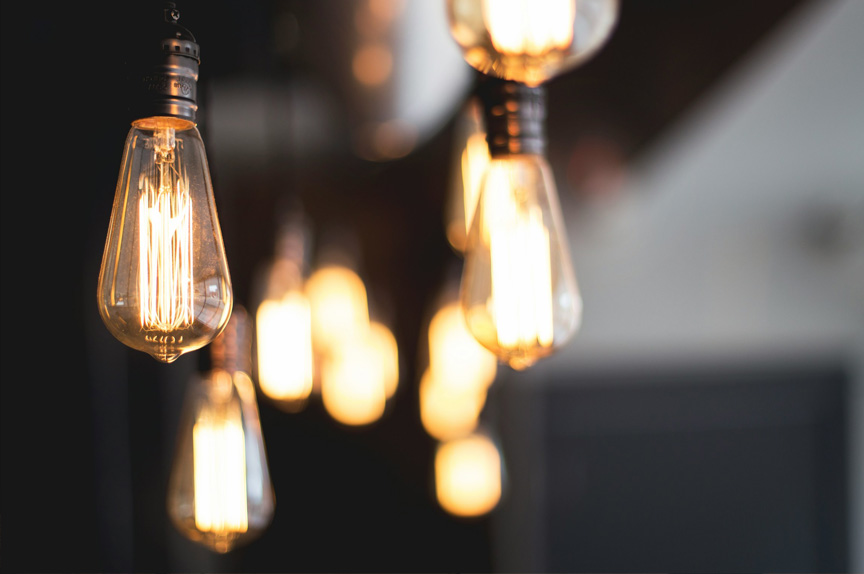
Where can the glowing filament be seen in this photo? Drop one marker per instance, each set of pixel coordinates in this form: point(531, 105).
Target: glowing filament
point(219, 466)
point(165, 241)
point(285, 368)
point(521, 268)
point(530, 27)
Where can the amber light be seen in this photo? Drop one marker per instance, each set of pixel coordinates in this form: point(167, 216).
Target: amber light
point(468, 475)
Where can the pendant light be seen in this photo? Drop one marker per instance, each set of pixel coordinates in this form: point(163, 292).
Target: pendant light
point(220, 494)
point(164, 286)
point(519, 291)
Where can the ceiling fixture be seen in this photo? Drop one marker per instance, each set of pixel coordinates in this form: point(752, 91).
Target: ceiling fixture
point(164, 286)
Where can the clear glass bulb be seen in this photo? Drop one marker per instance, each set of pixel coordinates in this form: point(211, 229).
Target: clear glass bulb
point(530, 41)
point(220, 492)
point(284, 339)
point(469, 165)
point(164, 286)
point(519, 292)
point(468, 475)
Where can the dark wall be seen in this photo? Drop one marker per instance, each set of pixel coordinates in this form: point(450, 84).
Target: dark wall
point(721, 469)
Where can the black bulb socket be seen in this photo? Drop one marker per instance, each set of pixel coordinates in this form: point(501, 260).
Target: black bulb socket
point(514, 116)
point(167, 77)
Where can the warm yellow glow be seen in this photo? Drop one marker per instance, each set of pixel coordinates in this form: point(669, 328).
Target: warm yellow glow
point(475, 160)
point(165, 240)
point(530, 27)
point(284, 343)
point(385, 347)
point(372, 64)
point(468, 475)
point(447, 411)
point(219, 466)
point(521, 266)
point(518, 289)
point(352, 383)
point(338, 300)
point(220, 492)
point(455, 356)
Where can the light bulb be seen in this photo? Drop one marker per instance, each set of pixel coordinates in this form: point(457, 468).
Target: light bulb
point(164, 286)
point(468, 475)
point(447, 411)
point(519, 291)
point(469, 165)
point(220, 493)
point(284, 339)
point(530, 41)
point(456, 358)
point(339, 308)
point(353, 385)
point(384, 344)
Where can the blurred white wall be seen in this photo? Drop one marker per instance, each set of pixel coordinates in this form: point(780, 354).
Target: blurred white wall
point(743, 231)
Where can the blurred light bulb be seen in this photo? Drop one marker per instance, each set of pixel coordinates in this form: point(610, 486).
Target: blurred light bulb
point(285, 365)
point(384, 344)
point(447, 411)
point(455, 357)
point(284, 339)
point(530, 41)
point(519, 291)
point(469, 167)
point(353, 385)
point(339, 310)
point(220, 492)
point(468, 474)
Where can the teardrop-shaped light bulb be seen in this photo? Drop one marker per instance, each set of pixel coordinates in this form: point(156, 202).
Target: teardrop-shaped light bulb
point(164, 286)
point(220, 492)
point(530, 41)
point(519, 292)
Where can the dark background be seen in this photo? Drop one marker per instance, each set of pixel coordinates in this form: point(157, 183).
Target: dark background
point(88, 425)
